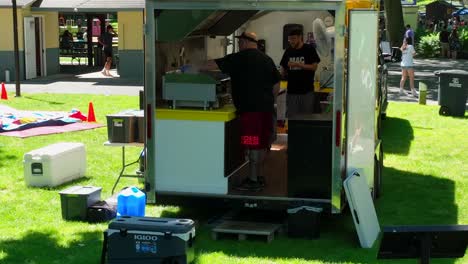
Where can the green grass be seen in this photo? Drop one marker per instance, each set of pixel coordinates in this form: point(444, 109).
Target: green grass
point(68, 60)
point(425, 182)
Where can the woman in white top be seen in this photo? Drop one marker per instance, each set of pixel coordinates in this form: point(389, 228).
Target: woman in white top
point(407, 69)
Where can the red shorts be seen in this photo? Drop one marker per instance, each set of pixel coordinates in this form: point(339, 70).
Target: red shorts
point(256, 129)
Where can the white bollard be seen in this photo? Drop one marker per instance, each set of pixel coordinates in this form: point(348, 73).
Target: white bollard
point(7, 76)
point(422, 93)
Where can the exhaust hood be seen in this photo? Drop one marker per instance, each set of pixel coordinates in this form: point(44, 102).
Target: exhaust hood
point(175, 25)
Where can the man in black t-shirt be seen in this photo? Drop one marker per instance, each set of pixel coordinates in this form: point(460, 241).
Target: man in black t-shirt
point(255, 84)
point(298, 65)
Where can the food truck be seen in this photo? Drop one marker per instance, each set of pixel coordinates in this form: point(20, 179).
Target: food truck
point(193, 148)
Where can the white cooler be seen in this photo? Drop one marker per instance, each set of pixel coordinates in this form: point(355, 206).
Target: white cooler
point(54, 164)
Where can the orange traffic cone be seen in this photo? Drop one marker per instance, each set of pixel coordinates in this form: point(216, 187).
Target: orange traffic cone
point(91, 117)
point(4, 92)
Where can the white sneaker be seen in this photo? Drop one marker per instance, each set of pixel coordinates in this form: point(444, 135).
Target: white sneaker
point(402, 92)
point(414, 92)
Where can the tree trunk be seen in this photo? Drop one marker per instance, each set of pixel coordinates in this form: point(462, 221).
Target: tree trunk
point(394, 21)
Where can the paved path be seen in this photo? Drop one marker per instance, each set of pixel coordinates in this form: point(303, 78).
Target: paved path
point(88, 83)
point(424, 72)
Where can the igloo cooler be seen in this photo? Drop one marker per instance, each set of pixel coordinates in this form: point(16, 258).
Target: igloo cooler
point(149, 240)
point(54, 164)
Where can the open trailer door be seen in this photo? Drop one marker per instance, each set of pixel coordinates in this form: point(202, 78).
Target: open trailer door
point(361, 92)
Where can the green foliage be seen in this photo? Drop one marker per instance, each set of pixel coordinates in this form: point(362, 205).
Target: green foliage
point(429, 46)
point(419, 33)
point(463, 35)
point(424, 2)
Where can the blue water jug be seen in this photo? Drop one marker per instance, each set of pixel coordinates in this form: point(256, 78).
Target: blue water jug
point(131, 201)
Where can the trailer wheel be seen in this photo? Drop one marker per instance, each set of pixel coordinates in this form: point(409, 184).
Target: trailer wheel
point(444, 111)
point(378, 168)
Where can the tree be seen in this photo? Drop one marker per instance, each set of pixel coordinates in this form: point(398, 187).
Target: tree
point(394, 21)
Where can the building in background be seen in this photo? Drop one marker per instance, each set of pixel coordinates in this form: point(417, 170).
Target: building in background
point(442, 10)
point(410, 13)
point(39, 24)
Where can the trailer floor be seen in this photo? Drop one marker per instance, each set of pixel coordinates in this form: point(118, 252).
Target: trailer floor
point(275, 170)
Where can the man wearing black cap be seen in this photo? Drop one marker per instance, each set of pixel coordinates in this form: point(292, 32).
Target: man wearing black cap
point(255, 84)
point(298, 65)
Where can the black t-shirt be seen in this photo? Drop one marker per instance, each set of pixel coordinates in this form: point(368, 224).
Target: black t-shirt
point(253, 75)
point(444, 36)
point(300, 81)
point(107, 38)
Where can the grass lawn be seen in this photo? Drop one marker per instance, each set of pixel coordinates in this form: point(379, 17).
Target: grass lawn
point(69, 61)
point(425, 181)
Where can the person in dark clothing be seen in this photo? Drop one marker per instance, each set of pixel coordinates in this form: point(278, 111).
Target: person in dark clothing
point(255, 84)
point(444, 43)
point(454, 43)
point(105, 40)
point(66, 41)
point(79, 33)
point(298, 66)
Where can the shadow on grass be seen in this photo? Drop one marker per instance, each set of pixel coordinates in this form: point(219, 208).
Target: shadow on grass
point(6, 158)
point(38, 247)
point(68, 184)
point(398, 134)
point(45, 101)
point(415, 199)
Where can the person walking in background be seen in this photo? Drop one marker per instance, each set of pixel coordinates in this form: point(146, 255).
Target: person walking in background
point(106, 41)
point(409, 33)
point(444, 43)
point(407, 65)
point(454, 43)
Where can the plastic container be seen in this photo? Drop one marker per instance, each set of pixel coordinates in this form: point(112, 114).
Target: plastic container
point(76, 199)
point(126, 127)
point(121, 127)
point(54, 164)
point(304, 222)
point(131, 202)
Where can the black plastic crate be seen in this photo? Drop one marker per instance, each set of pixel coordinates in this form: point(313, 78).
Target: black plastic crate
point(304, 222)
point(76, 199)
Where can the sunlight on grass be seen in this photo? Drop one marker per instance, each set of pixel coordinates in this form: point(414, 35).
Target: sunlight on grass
point(425, 181)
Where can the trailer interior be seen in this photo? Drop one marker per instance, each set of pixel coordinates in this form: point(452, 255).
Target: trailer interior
point(197, 155)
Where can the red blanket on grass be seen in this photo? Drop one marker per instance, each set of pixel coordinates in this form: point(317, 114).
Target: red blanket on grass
point(20, 123)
